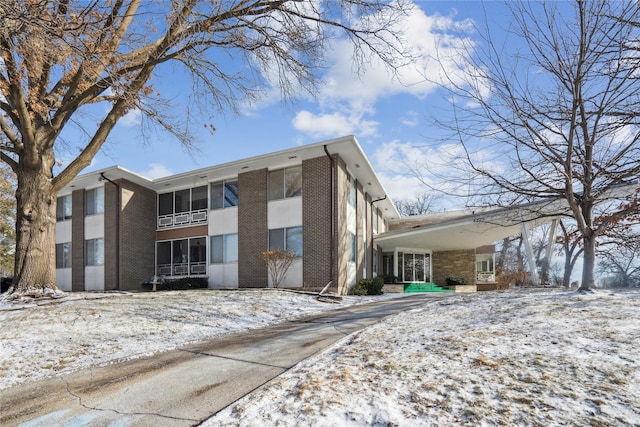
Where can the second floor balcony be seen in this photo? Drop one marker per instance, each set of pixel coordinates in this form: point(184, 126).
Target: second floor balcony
point(183, 219)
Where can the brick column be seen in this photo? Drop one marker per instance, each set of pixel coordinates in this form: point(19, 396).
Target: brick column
point(138, 218)
point(111, 240)
point(252, 228)
point(316, 220)
point(77, 241)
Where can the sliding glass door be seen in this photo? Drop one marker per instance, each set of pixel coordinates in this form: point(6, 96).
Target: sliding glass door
point(414, 267)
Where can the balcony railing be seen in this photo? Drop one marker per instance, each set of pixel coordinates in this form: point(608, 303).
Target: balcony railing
point(182, 269)
point(486, 277)
point(183, 219)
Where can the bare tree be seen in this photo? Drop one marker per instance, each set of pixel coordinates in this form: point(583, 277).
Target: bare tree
point(422, 203)
point(278, 262)
point(61, 58)
point(571, 245)
point(619, 253)
point(7, 219)
point(556, 118)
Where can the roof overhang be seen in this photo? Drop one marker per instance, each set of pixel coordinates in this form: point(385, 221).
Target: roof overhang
point(346, 147)
point(470, 230)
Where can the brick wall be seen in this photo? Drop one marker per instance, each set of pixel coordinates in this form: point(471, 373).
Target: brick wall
point(77, 241)
point(252, 232)
point(111, 237)
point(137, 234)
point(316, 220)
point(454, 263)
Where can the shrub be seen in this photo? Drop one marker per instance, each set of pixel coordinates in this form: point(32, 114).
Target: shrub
point(369, 286)
point(456, 280)
point(278, 262)
point(389, 278)
point(183, 283)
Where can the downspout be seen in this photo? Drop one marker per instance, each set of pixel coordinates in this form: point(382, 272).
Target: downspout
point(119, 196)
point(373, 252)
point(333, 216)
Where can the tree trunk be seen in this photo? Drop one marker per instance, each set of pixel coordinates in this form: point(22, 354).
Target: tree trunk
point(589, 266)
point(568, 269)
point(35, 268)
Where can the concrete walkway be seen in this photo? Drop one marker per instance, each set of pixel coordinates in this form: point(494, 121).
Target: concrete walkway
point(184, 387)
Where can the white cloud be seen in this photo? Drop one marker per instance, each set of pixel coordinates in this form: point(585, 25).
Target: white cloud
point(407, 168)
point(411, 119)
point(334, 124)
point(156, 170)
point(434, 45)
point(346, 102)
point(131, 119)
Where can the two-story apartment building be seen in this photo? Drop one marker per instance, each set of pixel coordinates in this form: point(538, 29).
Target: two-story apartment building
point(322, 201)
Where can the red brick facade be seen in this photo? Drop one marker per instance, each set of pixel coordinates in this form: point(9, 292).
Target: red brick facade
point(316, 217)
point(252, 233)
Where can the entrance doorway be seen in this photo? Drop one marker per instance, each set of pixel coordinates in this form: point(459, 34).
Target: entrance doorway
point(414, 267)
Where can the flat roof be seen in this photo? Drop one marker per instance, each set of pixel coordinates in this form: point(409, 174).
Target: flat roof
point(347, 147)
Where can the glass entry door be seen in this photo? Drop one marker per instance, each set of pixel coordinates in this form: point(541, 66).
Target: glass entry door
point(414, 267)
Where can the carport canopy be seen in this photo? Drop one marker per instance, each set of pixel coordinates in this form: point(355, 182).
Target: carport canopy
point(466, 229)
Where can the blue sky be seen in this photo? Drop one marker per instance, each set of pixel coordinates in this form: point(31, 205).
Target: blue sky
point(392, 121)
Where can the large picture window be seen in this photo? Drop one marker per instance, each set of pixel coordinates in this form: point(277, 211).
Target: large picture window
point(284, 183)
point(224, 249)
point(94, 252)
point(63, 255)
point(182, 257)
point(288, 239)
point(224, 194)
point(94, 201)
point(64, 208)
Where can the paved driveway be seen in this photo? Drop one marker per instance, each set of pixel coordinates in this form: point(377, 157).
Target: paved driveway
point(184, 387)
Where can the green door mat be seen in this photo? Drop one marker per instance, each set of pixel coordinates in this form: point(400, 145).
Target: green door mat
point(424, 287)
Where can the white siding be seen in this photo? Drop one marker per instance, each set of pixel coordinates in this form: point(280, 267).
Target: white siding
point(94, 227)
point(63, 279)
point(293, 279)
point(223, 276)
point(63, 232)
point(284, 213)
point(223, 221)
point(94, 278)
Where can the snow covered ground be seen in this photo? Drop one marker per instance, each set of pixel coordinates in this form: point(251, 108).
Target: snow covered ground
point(521, 357)
point(91, 329)
point(541, 358)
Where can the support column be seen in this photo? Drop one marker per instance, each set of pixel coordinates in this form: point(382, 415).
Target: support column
point(530, 257)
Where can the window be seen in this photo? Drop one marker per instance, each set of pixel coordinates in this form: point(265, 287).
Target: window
point(224, 194)
point(353, 248)
point(224, 249)
point(63, 208)
point(63, 255)
point(352, 192)
point(182, 257)
point(165, 204)
point(95, 251)
point(94, 201)
point(284, 183)
point(289, 239)
point(183, 201)
point(199, 198)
